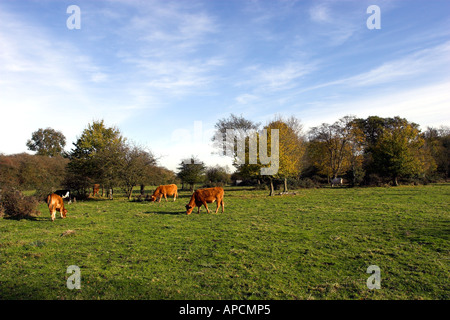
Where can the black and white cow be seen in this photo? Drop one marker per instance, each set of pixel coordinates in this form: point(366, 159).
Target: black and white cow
point(65, 194)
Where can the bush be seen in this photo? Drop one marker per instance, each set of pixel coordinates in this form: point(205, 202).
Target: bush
point(15, 205)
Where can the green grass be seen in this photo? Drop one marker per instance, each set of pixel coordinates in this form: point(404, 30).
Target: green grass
point(317, 244)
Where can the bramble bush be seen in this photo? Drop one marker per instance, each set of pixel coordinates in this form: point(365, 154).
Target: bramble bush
point(14, 204)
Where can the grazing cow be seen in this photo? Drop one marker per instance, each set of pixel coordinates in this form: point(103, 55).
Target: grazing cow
point(204, 196)
point(336, 181)
point(56, 203)
point(164, 191)
point(95, 189)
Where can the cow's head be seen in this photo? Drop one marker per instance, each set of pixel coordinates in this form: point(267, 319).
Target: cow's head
point(189, 209)
point(152, 198)
point(64, 212)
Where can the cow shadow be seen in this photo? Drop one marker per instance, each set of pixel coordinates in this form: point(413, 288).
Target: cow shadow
point(165, 212)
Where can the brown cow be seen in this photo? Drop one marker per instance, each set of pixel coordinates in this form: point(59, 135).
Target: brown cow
point(204, 196)
point(56, 203)
point(95, 189)
point(164, 191)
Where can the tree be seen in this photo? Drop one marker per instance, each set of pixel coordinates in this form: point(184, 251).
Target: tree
point(241, 126)
point(236, 145)
point(397, 152)
point(437, 142)
point(333, 146)
point(136, 165)
point(291, 148)
point(393, 148)
point(191, 171)
point(217, 175)
point(47, 142)
point(252, 148)
point(96, 157)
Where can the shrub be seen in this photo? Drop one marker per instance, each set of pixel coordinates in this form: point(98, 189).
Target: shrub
point(16, 205)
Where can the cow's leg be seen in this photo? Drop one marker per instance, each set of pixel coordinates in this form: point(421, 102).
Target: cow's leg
point(223, 206)
point(52, 214)
point(206, 206)
point(218, 205)
point(165, 197)
point(175, 196)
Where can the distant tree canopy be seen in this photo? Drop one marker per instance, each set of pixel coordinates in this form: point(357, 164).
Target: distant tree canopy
point(361, 150)
point(47, 142)
point(191, 171)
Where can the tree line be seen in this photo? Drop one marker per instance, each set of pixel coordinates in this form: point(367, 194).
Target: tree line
point(369, 151)
point(101, 155)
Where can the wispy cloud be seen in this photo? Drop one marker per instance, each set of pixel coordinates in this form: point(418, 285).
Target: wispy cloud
point(430, 61)
point(276, 78)
point(320, 13)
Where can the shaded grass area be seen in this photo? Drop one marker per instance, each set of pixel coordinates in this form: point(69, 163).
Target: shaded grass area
point(317, 244)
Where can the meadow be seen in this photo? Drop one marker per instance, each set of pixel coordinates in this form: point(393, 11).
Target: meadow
point(316, 244)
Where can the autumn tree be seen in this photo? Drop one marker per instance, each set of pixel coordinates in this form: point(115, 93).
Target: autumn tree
point(274, 152)
point(291, 148)
point(47, 142)
point(332, 147)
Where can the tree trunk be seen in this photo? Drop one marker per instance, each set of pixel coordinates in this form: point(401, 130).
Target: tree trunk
point(272, 192)
point(142, 189)
point(395, 181)
point(130, 192)
point(285, 185)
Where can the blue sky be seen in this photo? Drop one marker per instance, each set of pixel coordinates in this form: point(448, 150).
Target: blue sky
point(164, 72)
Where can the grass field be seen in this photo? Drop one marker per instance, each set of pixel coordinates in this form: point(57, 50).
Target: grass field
point(317, 244)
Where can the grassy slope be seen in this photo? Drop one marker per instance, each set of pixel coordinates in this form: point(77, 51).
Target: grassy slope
point(314, 245)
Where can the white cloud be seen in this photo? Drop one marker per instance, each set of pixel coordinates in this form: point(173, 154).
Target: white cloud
point(246, 98)
point(320, 13)
point(429, 61)
point(276, 78)
point(426, 105)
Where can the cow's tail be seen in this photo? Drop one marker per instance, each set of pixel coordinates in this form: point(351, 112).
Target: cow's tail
point(48, 199)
